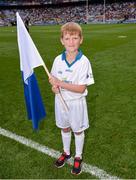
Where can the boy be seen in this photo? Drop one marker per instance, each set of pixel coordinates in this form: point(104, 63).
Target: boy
point(71, 73)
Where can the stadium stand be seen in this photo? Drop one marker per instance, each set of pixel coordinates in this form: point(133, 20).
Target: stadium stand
point(44, 12)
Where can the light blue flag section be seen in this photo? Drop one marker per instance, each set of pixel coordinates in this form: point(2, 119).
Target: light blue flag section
point(30, 59)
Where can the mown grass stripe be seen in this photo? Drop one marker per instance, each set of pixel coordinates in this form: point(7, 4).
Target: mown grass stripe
point(93, 170)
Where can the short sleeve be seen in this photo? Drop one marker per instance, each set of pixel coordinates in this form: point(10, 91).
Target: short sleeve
point(86, 75)
point(54, 68)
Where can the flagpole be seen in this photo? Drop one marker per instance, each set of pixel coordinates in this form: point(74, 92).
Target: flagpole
point(59, 94)
point(46, 70)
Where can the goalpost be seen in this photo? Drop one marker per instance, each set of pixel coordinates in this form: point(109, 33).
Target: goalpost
point(104, 8)
point(87, 14)
point(104, 11)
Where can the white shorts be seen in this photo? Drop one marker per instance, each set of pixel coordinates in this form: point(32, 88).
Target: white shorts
point(77, 116)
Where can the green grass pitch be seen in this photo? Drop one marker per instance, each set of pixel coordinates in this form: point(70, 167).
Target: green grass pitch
point(111, 139)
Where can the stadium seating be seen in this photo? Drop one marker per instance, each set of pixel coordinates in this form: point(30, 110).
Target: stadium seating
point(43, 15)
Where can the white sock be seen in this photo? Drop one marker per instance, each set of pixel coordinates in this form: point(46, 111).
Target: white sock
point(79, 143)
point(66, 139)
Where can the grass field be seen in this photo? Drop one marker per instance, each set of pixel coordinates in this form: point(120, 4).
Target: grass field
point(111, 139)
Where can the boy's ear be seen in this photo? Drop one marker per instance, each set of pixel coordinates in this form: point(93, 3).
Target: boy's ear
point(61, 40)
point(81, 40)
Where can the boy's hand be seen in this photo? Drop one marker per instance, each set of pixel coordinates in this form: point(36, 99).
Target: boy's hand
point(54, 81)
point(55, 84)
point(55, 89)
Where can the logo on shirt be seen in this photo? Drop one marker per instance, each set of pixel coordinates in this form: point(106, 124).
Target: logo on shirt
point(59, 72)
point(69, 70)
point(87, 76)
point(66, 81)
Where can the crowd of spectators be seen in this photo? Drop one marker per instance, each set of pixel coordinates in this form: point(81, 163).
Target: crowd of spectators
point(113, 12)
point(57, 15)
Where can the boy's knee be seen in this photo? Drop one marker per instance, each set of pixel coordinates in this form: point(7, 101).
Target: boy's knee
point(65, 130)
point(78, 133)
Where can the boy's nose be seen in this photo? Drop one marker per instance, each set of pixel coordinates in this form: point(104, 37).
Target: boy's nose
point(71, 41)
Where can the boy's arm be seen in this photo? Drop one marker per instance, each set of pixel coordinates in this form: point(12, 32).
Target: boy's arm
point(71, 87)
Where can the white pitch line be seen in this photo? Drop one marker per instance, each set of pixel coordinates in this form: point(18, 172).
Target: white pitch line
point(93, 170)
point(122, 36)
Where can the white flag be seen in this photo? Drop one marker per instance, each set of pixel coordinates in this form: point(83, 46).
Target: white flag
point(29, 59)
point(29, 55)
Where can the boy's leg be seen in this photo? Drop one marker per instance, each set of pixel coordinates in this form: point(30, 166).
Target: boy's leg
point(79, 143)
point(66, 139)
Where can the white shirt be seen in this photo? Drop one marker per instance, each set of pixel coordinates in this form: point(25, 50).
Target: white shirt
point(79, 72)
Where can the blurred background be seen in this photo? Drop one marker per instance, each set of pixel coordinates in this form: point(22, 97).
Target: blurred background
point(48, 12)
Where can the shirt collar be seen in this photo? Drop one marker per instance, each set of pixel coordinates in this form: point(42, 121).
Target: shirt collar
point(78, 56)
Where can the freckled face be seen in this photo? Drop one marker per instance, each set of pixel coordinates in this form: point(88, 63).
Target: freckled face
point(71, 42)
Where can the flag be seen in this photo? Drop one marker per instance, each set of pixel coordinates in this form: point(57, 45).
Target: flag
point(30, 59)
